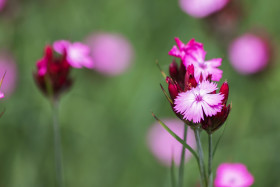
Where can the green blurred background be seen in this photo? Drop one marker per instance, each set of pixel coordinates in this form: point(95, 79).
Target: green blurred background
point(104, 120)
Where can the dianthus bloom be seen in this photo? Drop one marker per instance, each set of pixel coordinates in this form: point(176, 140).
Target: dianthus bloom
point(193, 104)
point(78, 54)
point(233, 175)
point(52, 75)
point(194, 53)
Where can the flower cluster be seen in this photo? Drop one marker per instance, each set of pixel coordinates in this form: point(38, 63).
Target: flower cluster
point(52, 75)
point(192, 93)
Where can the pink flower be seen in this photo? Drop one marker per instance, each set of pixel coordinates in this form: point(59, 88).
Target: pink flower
point(78, 54)
point(164, 146)
point(202, 8)
point(199, 101)
point(249, 54)
point(112, 53)
point(194, 53)
point(8, 65)
point(196, 56)
point(233, 175)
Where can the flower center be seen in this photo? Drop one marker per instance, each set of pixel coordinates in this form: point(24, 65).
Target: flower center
point(202, 65)
point(198, 98)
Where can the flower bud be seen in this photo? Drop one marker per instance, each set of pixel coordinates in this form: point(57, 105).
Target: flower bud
point(224, 90)
point(173, 70)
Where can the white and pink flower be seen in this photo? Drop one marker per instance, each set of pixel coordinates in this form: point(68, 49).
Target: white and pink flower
point(199, 101)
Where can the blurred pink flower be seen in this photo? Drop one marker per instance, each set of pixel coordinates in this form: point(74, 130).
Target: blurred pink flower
point(2, 4)
point(202, 8)
point(112, 53)
point(8, 65)
point(78, 54)
point(164, 146)
point(249, 54)
point(233, 175)
point(199, 101)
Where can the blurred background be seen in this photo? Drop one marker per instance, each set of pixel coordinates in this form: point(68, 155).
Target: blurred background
point(105, 117)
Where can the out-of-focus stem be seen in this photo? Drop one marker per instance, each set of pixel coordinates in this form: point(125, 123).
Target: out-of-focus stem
point(57, 146)
point(210, 158)
point(182, 162)
point(201, 158)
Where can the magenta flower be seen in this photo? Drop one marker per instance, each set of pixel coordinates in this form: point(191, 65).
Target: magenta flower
point(199, 101)
point(202, 8)
point(194, 53)
point(52, 75)
point(249, 54)
point(233, 175)
point(112, 53)
point(164, 147)
point(78, 54)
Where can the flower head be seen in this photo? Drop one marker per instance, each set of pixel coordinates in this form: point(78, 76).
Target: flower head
point(249, 54)
point(194, 53)
point(233, 175)
point(164, 147)
point(78, 54)
point(199, 101)
point(52, 75)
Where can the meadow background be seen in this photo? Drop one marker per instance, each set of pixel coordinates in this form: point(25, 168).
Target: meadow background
point(104, 120)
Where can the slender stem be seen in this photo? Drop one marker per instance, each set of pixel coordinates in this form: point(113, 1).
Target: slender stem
point(200, 153)
point(210, 158)
point(182, 162)
point(57, 147)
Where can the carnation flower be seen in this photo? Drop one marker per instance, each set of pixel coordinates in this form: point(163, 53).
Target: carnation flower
point(52, 75)
point(199, 101)
point(78, 54)
point(233, 175)
point(194, 53)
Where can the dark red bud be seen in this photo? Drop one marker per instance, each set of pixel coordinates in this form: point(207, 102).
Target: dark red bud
point(173, 70)
point(172, 88)
point(224, 90)
point(182, 72)
point(48, 52)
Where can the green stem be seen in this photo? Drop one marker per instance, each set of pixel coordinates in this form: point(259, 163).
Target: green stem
point(182, 162)
point(210, 158)
point(200, 154)
point(57, 146)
